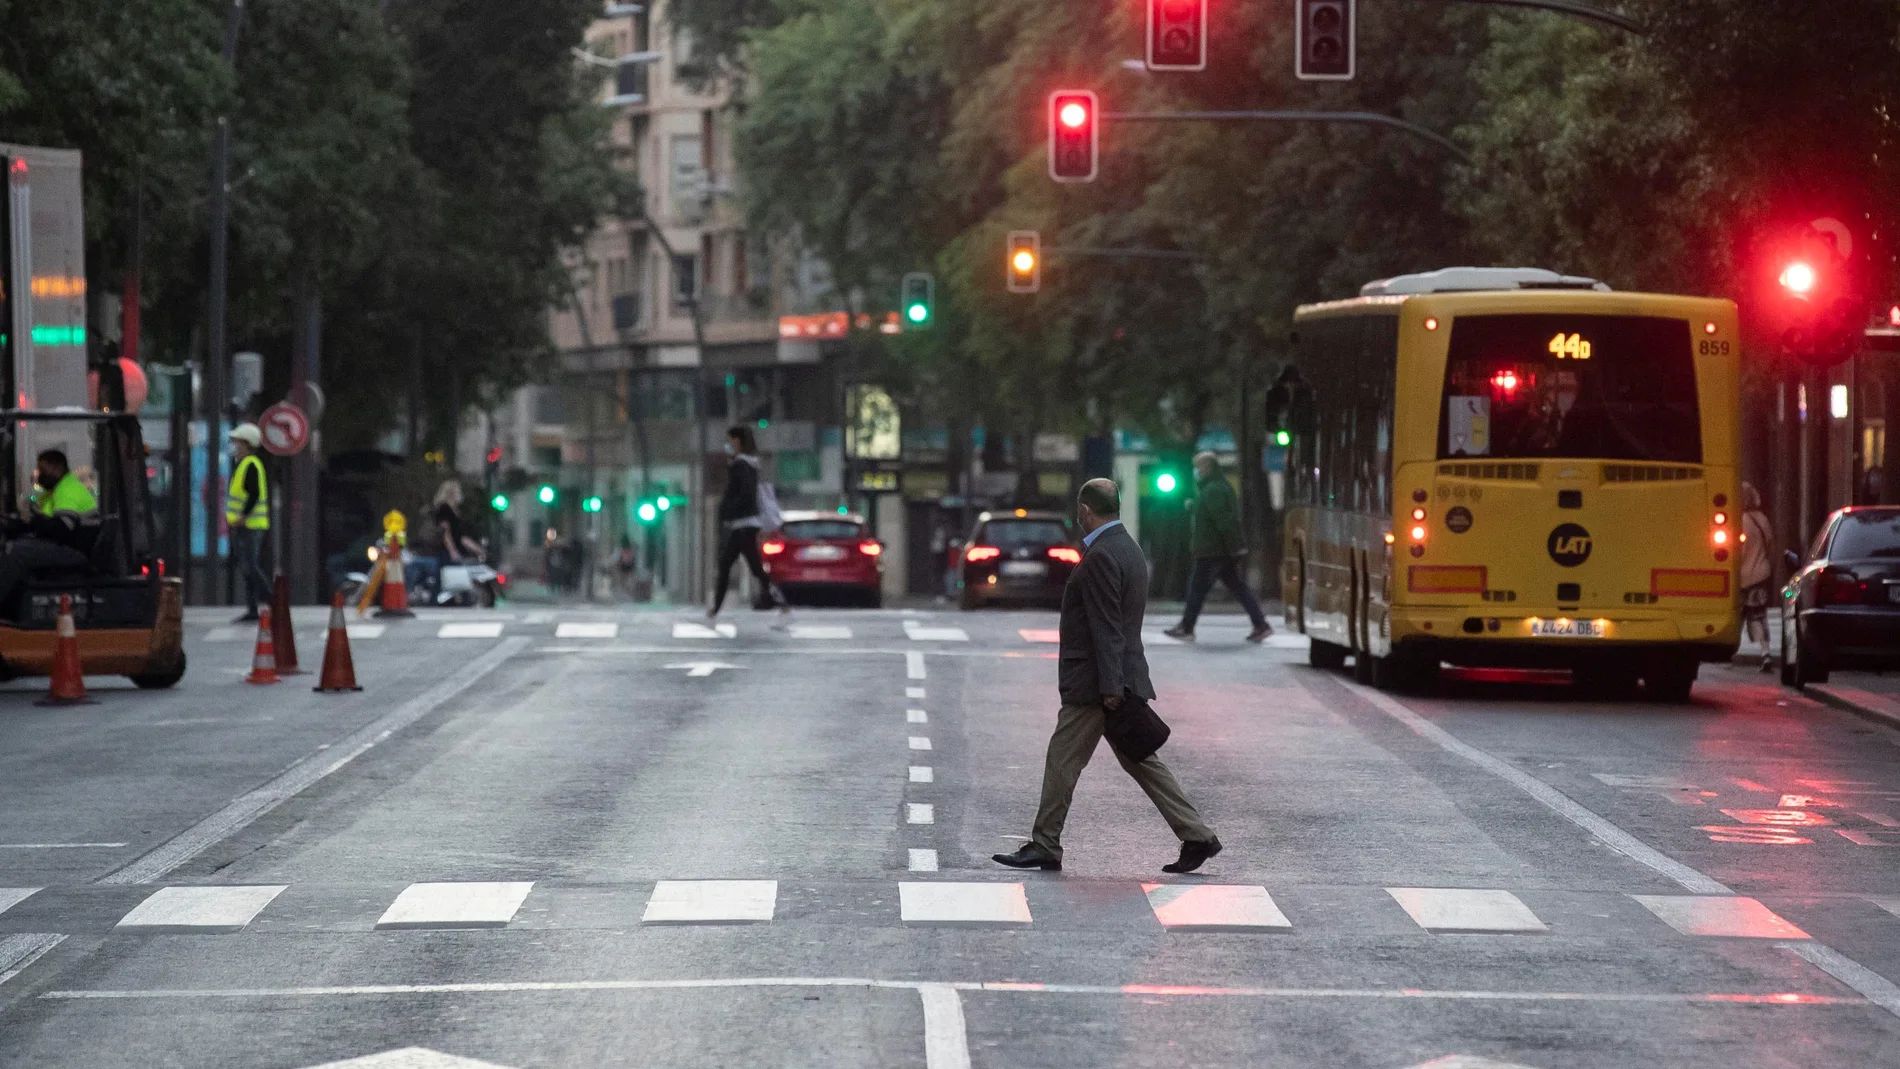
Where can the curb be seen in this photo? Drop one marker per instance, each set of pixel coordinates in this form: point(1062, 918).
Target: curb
point(1868, 706)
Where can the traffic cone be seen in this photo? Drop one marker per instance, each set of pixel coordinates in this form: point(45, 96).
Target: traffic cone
point(282, 635)
point(395, 593)
point(339, 672)
point(264, 659)
point(68, 684)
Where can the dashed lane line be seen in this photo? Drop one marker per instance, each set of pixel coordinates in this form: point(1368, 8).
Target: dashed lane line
point(914, 663)
point(926, 774)
point(923, 860)
point(914, 692)
point(247, 807)
point(916, 716)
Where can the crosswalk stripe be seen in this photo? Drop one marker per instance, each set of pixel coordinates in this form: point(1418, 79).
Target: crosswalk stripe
point(19, 951)
point(1719, 915)
point(963, 904)
point(920, 813)
point(476, 629)
point(923, 860)
point(688, 629)
point(230, 634)
point(920, 633)
point(359, 632)
point(580, 630)
point(1448, 909)
point(711, 902)
point(1214, 907)
point(13, 896)
point(409, 1058)
point(819, 631)
point(200, 909)
point(1040, 634)
point(455, 905)
point(1891, 905)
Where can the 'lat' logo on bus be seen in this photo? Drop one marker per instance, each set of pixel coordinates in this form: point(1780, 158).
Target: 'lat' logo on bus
point(1569, 545)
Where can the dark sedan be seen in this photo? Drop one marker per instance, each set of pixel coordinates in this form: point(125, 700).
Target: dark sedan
point(1020, 557)
point(1842, 607)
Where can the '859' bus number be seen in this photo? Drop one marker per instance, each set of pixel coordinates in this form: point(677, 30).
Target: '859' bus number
point(1713, 348)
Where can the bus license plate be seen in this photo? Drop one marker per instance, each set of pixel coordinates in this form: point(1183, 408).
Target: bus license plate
point(1566, 628)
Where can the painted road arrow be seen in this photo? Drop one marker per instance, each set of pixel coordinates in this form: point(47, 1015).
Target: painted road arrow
point(410, 1058)
point(702, 668)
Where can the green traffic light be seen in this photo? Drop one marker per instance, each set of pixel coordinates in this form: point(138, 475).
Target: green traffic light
point(545, 495)
point(647, 512)
point(1282, 438)
point(499, 502)
point(591, 504)
point(844, 510)
point(1166, 482)
point(663, 502)
point(918, 313)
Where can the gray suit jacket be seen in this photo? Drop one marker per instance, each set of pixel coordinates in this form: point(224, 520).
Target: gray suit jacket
point(1102, 607)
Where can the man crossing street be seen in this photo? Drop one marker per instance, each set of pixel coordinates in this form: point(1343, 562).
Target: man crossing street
point(1217, 547)
point(1101, 664)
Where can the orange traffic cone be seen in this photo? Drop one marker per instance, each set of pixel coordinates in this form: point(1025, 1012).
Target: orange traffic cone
point(264, 659)
point(283, 637)
point(69, 684)
point(339, 672)
point(395, 593)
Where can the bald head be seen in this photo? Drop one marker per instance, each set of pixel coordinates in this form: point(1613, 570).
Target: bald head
point(1099, 502)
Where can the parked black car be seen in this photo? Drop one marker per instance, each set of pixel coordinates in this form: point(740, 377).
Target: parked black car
point(1841, 609)
point(1018, 556)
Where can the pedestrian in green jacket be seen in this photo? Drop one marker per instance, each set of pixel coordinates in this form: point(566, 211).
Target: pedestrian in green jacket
point(1216, 544)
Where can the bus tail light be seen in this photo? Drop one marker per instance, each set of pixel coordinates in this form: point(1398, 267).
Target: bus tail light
point(978, 554)
point(1688, 582)
point(1838, 586)
point(1066, 554)
point(1445, 579)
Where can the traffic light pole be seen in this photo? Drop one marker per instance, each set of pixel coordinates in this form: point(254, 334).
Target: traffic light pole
point(1369, 118)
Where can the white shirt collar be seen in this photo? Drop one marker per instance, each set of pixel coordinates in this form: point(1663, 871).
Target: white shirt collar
point(1089, 539)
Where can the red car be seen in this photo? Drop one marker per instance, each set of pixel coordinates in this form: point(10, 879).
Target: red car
point(824, 556)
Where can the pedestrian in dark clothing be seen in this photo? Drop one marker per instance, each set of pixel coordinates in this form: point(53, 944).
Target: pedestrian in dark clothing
point(1101, 664)
point(740, 519)
point(1217, 547)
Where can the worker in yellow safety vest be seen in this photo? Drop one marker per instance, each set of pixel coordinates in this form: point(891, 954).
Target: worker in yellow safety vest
point(59, 524)
point(247, 516)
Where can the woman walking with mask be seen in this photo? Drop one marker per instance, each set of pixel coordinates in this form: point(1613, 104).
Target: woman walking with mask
point(741, 521)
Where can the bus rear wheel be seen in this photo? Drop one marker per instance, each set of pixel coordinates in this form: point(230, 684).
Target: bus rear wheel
point(1671, 681)
point(1326, 655)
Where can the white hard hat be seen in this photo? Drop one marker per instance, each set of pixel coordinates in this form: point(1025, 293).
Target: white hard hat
point(248, 434)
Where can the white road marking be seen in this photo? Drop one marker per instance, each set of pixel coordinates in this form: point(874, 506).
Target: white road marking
point(914, 662)
point(973, 904)
point(916, 716)
point(711, 902)
point(914, 692)
point(19, 951)
point(361, 632)
point(1468, 1061)
point(1878, 989)
point(1214, 907)
point(1447, 909)
point(918, 742)
point(455, 905)
point(477, 629)
point(919, 633)
point(491, 987)
point(410, 1058)
point(580, 630)
point(946, 1038)
point(13, 896)
point(62, 846)
point(920, 813)
point(687, 629)
point(1719, 915)
point(1040, 634)
point(541, 616)
point(819, 631)
point(926, 774)
point(231, 634)
point(923, 860)
point(240, 811)
point(200, 909)
point(701, 669)
point(1891, 905)
point(1605, 832)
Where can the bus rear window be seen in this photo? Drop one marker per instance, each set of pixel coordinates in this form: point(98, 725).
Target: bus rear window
point(1584, 386)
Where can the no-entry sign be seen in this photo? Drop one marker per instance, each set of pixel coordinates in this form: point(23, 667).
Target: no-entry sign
point(286, 429)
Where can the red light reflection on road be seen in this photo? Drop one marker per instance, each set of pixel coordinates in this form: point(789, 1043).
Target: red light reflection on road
point(1730, 833)
point(1779, 818)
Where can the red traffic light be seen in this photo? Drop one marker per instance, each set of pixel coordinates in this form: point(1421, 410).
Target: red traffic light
point(1177, 35)
point(1798, 278)
point(1074, 135)
point(494, 455)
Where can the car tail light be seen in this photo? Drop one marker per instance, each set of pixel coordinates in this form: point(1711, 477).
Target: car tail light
point(772, 547)
point(1838, 586)
point(1065, 554)
point(869, 548)
point(976, 554)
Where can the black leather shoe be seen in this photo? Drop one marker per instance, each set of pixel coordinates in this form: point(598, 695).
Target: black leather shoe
point(1193, 856)
point(1029, 856)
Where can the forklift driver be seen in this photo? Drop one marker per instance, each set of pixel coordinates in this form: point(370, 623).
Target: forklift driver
point(59, 519)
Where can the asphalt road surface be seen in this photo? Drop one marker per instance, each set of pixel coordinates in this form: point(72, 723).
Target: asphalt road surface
point(563, 839)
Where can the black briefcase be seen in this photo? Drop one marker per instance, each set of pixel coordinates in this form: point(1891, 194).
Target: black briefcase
point(1135, 730)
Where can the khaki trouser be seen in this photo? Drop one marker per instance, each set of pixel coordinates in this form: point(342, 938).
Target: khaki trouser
point(1078, 729)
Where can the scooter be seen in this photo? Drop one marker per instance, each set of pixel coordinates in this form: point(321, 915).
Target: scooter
point(472, 583)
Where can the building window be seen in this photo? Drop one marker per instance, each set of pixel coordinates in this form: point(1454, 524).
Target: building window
point(685, 281)
point(689, 177)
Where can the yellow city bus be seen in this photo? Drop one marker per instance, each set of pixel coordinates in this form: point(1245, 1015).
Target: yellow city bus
point(1514, 468)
